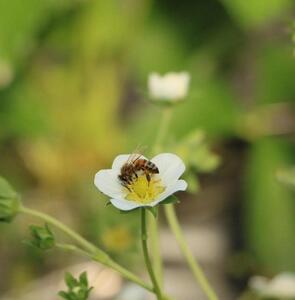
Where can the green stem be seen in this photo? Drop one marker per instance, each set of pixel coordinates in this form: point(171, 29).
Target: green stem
point(163, 128)
point(73, 248)
point(89, 249)
point(148, 263)
point(155, 247)
point(193, 264)
point(153, 222)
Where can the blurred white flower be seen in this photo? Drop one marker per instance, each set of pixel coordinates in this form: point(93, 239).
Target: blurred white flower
point(142, 190)
point(169, 87)
point(281, 286)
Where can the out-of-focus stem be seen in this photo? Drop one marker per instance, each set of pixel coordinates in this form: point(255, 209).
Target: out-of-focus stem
point(163, 128)
point(191, 261)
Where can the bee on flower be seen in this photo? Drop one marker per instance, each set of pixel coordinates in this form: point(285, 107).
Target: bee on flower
point(171, 87)
point(134, 181)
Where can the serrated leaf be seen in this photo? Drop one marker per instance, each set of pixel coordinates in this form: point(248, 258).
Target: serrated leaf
point(70, 280)
point(64, 295)
point(83, 279)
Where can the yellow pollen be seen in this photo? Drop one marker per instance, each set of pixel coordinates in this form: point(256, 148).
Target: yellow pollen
point(143, 191)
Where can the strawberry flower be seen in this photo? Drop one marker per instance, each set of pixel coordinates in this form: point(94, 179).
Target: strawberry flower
point(171, 87)
point(142, 191)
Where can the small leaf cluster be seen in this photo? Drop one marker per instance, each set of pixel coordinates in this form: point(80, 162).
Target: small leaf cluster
point(42, 237)
point(9, 201)
point(78, 289)
point(197, 156)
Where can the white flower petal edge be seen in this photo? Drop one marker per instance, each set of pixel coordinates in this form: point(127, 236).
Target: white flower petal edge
point(107, 182)
point(123, 204)
point(179, 185)
point(170, 166)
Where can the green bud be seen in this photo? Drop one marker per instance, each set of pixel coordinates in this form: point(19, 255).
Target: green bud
point(78, 289)
point(43, 238)
point(9, 201)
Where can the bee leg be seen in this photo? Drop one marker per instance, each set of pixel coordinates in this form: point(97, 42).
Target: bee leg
point(127, 187)
point(148, 177)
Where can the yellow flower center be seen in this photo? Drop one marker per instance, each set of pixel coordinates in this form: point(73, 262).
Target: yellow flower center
point(143, 191)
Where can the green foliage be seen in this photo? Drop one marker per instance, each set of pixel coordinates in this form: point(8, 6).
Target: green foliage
point(252, 13)
point(42, 237)
point(287, 177)
point(9, 201)
point(78, 289)
point(269, 207)
point(198, 158)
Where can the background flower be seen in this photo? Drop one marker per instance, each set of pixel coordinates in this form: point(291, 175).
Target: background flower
point(281, 286)
point(171, 86)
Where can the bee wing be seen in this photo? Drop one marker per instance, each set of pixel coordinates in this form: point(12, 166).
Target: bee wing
point(133, 157)
point(136, 154)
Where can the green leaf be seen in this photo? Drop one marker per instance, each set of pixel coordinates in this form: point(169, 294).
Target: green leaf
point(83, 279)
point(9, 201)
point(77, 288)
point(170, 200)
point(153, 210)
point(6, 191)
point(42, 237)
point(70, 280)
point(253, 13)
point(64, 295)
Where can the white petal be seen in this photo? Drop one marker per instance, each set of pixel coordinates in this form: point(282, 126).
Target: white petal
point(124, 204)
point(179, 185)
point(108, 183)
point(170, 166)
point(121, 159)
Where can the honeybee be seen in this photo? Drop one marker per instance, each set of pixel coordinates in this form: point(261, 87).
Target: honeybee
point(134, 166)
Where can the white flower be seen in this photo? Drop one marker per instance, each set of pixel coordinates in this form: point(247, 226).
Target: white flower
point(169, 87)
point(281, 286)
point(141, 191)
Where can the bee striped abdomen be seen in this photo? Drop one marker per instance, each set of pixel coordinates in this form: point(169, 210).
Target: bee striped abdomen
point(131, 170)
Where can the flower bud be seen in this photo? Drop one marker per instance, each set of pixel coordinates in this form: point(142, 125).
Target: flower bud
point(43, 238)
point(9, 201)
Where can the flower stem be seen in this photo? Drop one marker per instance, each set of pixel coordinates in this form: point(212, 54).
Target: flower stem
point(89, 249)
point(193, 264)
point(148, 263)
point(153, 222)
point(163, 128)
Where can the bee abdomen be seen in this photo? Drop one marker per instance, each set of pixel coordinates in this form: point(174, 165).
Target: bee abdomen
point(152, 167)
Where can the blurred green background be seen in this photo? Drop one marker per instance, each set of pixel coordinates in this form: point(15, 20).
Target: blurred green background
point(73, 95)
